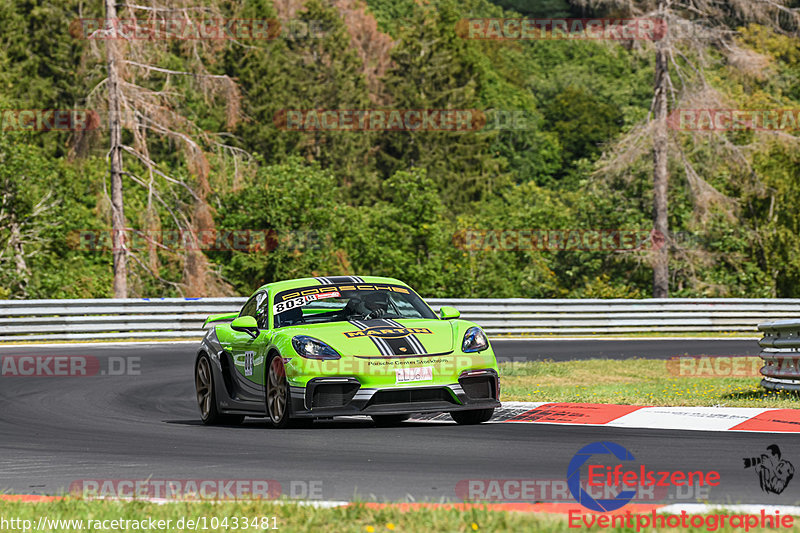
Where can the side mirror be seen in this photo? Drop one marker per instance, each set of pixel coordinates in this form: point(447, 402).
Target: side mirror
point(246, 324)
point(449, 313)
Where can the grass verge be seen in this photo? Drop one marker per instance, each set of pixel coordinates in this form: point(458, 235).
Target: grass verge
point(689, 382)
point(285, 517)
point(97, 516)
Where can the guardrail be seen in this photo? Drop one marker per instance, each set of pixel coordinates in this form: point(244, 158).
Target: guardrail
point(779, 351)
point(183, 317)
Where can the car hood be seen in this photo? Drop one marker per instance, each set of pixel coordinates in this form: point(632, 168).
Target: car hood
point(382, 338)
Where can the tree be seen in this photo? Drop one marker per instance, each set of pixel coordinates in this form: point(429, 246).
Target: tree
point(115, 161)
point(660, 175)
point(695, 31)
point(435, 69)
point(24, 206)
point(139, 98)
point(317, 69)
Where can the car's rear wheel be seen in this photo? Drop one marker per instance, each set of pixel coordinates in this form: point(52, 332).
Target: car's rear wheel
point(476, 416)
point(389, 420)
point(278, 408)
point(206, 396)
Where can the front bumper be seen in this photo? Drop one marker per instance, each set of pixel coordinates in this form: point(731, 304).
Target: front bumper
point(344, 396)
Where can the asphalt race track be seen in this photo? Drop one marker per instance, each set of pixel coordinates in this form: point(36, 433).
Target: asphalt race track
point(57, 430)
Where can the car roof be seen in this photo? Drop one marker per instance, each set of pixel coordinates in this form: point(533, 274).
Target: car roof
point(278, 286)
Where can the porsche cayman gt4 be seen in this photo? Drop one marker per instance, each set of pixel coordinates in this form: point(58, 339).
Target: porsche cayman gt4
point(342, 346)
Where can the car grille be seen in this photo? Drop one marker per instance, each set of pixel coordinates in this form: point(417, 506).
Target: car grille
point(479, 388)
point(333, 394)
point(225, 363)
point(386, 397)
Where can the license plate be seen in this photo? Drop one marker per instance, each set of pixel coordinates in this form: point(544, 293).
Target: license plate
point(405, 375)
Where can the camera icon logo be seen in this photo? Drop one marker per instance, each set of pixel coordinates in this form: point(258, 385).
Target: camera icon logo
point(774, 472)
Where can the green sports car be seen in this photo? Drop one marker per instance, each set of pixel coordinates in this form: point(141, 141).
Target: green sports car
point(341, 346)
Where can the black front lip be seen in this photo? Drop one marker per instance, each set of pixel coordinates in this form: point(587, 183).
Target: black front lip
point(396, 409)
point(359, 404)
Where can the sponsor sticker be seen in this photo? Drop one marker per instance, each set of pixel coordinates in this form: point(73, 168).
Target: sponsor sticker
point(333, 294)
point(300, 301)
point(386, 333)
point(406, 375)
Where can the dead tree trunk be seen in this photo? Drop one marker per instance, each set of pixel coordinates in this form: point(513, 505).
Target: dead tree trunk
point(115, 160)
point(660, 175)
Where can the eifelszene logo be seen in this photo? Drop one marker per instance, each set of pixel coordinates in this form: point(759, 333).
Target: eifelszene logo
point(774, 473)
point(612, 478)
point(574, 477)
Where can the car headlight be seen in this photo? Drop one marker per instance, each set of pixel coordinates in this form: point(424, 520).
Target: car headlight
point(474, 340)
point(312, 348)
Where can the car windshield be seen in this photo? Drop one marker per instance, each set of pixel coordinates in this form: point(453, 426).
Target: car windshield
point(336, 303)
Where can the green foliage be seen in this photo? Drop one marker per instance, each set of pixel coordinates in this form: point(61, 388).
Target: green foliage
point(299, 205)
point(582, 122)
point(392, 14)
point(304, 73)
point(396, 203)
point(44, 204)
point(40, 61)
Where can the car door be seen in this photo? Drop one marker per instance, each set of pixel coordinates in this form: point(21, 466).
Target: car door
point(264, 341)
point(248, 357)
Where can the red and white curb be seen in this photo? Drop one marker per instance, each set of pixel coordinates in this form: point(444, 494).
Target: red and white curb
point(751, 419)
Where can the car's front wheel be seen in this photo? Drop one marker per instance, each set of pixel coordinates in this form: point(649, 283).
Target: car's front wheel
point(476, 416)
point(206, 396)
point(278, 409)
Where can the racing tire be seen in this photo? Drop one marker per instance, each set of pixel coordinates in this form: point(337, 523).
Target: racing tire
point(384, 421)
point(476, 416)
point(277, 393)
point(207, 397)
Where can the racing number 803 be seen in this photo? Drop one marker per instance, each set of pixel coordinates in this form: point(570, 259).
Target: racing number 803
point(289, 304)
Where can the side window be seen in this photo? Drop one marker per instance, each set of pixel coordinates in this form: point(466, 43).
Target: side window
point(262, 311)
point(249, 309)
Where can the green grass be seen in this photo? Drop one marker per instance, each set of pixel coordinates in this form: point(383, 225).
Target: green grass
point(293, 518)
point(634, 382)
point(288, 517)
